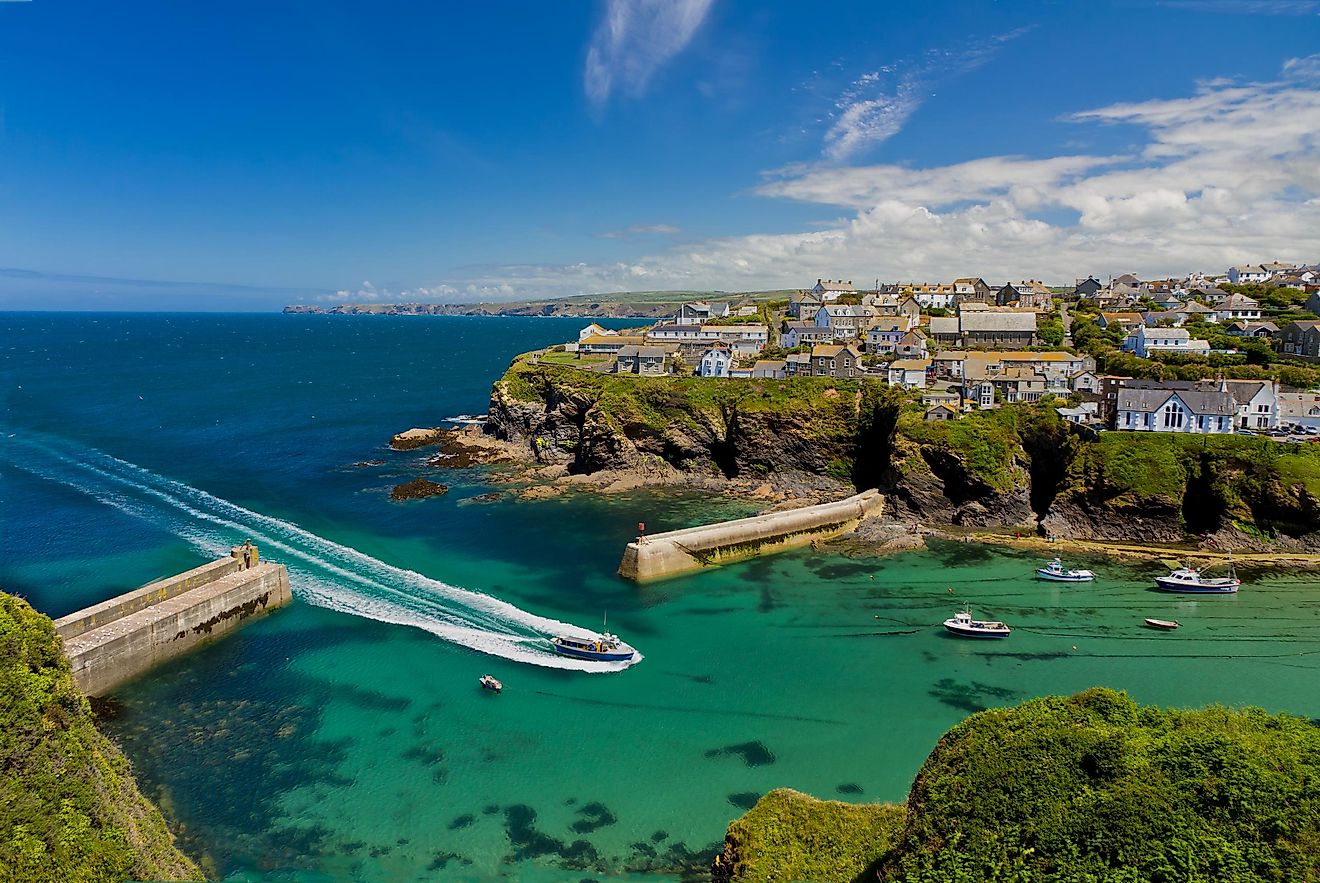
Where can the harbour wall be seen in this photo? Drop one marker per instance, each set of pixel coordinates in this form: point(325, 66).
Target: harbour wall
point(112, 642)
point(677, 552)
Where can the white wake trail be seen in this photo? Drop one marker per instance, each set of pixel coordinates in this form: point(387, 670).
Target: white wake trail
point(322, 571)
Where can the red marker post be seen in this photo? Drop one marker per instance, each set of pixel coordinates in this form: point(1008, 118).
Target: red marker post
point(641, 531)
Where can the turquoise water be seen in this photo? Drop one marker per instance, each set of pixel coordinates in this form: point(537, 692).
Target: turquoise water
point(345, 738)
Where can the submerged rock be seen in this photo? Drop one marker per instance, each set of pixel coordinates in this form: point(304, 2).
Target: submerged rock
point(417, 489)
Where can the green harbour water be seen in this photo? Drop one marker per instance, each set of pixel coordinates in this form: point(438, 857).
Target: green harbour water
point(345, 738)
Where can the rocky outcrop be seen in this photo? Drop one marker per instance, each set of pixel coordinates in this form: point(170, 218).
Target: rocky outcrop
point(418, 489)
point(412, 439)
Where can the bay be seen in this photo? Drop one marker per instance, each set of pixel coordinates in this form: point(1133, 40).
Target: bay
point(345, 738)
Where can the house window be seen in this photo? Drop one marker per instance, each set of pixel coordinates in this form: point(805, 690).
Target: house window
point(1173, 416)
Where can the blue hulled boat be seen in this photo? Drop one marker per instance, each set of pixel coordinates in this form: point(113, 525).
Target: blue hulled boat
point(1190, 581)
point(600, 648)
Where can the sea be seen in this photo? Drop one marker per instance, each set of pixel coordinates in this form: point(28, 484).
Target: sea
point(345, 737)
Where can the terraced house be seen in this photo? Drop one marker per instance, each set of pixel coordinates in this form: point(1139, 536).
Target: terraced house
point(1301, 339)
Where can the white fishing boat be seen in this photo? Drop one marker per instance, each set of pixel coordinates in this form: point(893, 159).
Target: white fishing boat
point(489, 682)
point(1164, 625)
point(964, 626)
point(1187, 580)
point(1055, 572)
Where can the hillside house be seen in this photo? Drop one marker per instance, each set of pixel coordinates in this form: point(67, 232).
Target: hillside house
point(1299, 409)
point(608, 344)
point(715, 362)
point(836, 360)
point(1146, 341)
point(1237, 307)
point(908, 373)
point(845, 320)
point(941, 411)
point(644, 360)
point(912, 345)
point(1300, 339)
point(830, 290)
point(1247, 274)
point(972, 289)
point(940, 295)
point(1087, 288)
point(796, 334)
point(884, 335)
point(1155, 409)
point(802, 305)
point(594, 330)
point(699, 312)
point(996, 328)
point(770, 369)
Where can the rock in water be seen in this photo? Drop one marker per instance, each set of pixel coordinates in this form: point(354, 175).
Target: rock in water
point(412, 439)
point(418, 489)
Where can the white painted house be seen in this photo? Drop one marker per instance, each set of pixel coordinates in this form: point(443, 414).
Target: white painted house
point(1146, 341)
point(1247, 274)
point(1237, 307)
point(1153, 409)
point(715, 362)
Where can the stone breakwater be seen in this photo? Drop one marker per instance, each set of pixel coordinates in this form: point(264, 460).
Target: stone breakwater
point(112, 642)
point(682, 551)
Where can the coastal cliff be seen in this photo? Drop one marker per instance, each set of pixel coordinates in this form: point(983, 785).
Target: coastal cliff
point(1016, 467)
point(69, 807)
point(1064, 790)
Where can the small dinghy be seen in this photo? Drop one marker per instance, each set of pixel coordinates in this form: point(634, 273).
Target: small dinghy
point(488, 682)
point(964, 626)
point(1055, 572)
point(1163, 625)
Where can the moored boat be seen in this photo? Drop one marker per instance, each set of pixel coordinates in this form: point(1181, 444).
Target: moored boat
point(488, 682)
point(963, 625)
point(1190, 581)
point(1056, 572)
point(1164, 625)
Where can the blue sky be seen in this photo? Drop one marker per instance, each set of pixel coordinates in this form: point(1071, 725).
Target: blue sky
point(247, 155)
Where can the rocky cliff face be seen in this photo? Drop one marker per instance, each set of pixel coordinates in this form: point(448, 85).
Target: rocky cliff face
point(1011, 468)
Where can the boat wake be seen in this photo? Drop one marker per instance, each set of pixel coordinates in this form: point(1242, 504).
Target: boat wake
point(321, 571)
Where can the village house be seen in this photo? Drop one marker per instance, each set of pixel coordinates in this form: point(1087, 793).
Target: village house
point(645, 360)
point(948, 365)
point(1087, 288)
point(1313, 303)
point(770, 369)
point(1299, 409)
point(698, 312)
point(884, 335)
point(1085, 381)
point(996, 328)
point(912, 345)
point(1126, 321)
point(845, 320)
point(796, 334)
point(1247, 274)
point(715, 362)
point(1083, 414)
point(835, 360)
point(941, 411)
point(594, 330)
point(1237, 307)
point(939, 295)
point(1300, 339)
point(830, 290)
point(802, 305)
point(1156, 409)
point(797, 365)
point(1252, 329)
point(1164, 340)
point(908, 373)
point(608, 344)
point(743, 339)
point(972, 289)
point(1257, 401)
point(942, 395)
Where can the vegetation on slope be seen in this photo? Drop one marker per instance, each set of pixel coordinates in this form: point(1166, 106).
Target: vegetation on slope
point(1087, 788)
point(789, 835)
point(69, 808)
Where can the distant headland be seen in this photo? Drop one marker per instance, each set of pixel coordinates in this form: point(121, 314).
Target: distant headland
point(615, 305)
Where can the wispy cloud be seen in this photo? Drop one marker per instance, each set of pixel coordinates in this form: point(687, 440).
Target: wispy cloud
point(634, 39)
point(1247, 7)
point(875, 106)
point(1204, 190)
point(641, 230)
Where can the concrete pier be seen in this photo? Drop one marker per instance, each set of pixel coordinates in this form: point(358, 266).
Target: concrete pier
point(677, 552)
point(114, 641)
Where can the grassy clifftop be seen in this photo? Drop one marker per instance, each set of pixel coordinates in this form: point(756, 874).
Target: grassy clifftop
point(69, 808)
point(1087, 788)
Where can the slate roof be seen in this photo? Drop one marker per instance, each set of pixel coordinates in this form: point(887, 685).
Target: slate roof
point(1200, 402)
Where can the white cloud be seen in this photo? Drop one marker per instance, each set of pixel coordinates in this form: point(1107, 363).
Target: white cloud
point(641, 230)
point(634, 39)
point(875, 106)
point(1229, 174)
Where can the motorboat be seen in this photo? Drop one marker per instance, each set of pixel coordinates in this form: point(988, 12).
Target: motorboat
point(1190, 581)
point(963, 625)
point(604, 647)
point(1164, 625)
point(1055, 572)
point(489, 682)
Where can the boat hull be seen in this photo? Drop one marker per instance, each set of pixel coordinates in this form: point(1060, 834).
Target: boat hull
point(974, 633)
point(1181, 588)
point(1163, 625)
point(1063, 577)
point(594, 655)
